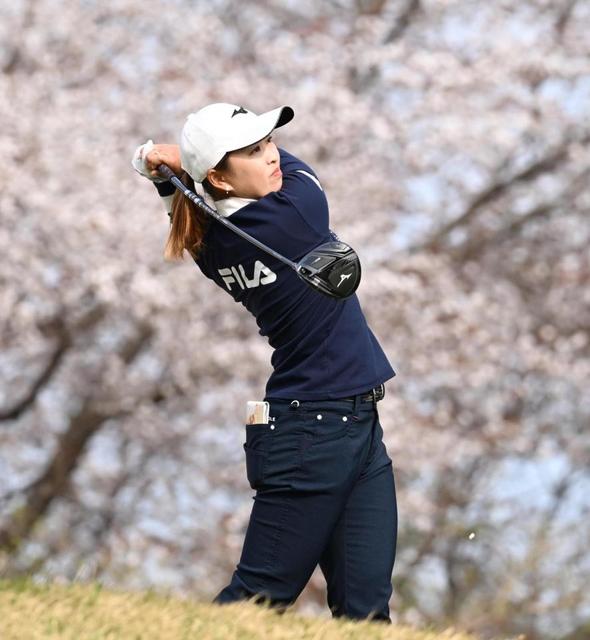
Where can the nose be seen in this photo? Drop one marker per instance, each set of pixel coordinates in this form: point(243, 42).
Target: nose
point(272, 153)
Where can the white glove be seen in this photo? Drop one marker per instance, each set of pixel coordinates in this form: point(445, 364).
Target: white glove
point(139, 164)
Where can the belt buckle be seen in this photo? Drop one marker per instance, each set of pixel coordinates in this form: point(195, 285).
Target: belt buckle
point(378, 392)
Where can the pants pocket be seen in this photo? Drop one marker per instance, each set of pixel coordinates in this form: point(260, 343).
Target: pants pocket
point(256, 450)
point(255, 462)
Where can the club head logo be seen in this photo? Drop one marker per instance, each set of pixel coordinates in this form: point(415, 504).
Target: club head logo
point(343, 278)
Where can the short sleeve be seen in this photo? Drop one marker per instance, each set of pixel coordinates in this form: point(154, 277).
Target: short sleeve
point(302, 189)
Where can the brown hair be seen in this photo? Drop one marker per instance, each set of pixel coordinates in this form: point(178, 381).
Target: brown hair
point(189, 223)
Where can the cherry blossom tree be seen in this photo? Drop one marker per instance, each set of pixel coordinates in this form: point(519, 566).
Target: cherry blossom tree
point(452, 139)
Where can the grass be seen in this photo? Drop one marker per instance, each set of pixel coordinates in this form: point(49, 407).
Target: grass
point(89, 612)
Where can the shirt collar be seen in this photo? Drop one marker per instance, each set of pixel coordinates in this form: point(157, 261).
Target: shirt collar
point(227, 206)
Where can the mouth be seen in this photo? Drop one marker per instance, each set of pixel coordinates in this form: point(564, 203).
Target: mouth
point(277, 173)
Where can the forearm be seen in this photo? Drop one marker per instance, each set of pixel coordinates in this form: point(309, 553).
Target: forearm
point(166, 192)
point(168, 154)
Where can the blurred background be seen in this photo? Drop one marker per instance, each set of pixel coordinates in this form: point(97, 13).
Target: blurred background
point(452, 138)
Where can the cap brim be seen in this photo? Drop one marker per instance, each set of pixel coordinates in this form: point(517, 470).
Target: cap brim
point(265, 124)
point(286, 114)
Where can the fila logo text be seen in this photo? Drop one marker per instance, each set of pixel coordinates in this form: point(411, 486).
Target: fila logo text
point(262, 275)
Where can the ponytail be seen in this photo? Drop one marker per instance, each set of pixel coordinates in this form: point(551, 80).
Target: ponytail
point(189, 225)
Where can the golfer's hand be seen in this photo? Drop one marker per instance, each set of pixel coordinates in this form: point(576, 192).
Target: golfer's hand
point(148, 156)
point(168, 154)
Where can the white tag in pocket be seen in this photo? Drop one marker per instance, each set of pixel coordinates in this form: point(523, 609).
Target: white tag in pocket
point(257, 412)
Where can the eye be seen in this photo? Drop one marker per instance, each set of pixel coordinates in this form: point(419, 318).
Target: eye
point(257, 148)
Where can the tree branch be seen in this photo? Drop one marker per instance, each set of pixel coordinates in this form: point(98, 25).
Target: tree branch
point(403, 21)
point(494, 191)
point(72, 443)
point(16, 59)
point(370, 7)
point(63, 344)
point(564, 17)
point(499, 187)
point(65, 336)
point(470, 248)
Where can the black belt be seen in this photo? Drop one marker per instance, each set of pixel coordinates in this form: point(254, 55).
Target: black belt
point(375, 394)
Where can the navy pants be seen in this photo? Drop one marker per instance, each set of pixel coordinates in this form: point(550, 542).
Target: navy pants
point(325, 495)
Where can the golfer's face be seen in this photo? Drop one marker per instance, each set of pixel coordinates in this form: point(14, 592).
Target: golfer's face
point(255, 170)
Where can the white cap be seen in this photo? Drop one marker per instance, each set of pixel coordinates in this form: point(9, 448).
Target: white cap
point(218, 128)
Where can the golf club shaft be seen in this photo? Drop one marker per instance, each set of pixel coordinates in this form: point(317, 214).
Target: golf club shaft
point(167, 173)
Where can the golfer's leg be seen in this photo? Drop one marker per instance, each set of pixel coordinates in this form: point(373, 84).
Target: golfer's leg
point(295, 510)
point(283, 544)
point(358, 560)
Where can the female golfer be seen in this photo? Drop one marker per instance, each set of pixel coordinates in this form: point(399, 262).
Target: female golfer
point(323, 479)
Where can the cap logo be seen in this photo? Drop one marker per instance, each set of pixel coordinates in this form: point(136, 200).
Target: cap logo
point(237, 111)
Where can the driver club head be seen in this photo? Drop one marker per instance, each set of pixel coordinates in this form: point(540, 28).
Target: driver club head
point(333, 269)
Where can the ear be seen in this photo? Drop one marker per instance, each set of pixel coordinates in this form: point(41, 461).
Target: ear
point(218, 180)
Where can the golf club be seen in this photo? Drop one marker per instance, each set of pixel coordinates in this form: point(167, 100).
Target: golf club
point(332, 268)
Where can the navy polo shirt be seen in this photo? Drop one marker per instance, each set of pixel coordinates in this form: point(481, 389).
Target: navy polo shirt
point(323, 347)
